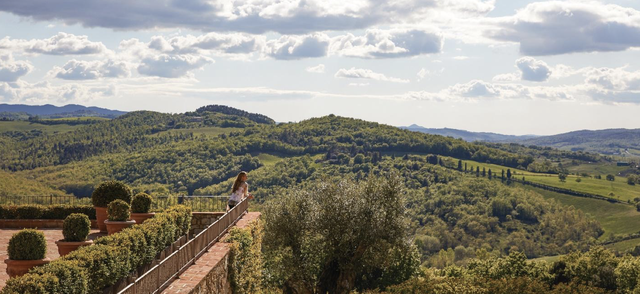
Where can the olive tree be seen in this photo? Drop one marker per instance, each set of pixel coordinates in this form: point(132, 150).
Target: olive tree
point(336, 236)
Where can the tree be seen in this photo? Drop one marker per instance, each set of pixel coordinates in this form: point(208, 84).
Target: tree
point(502, 177)
point(562, 177)
point(611, 177)
point(477, 171)
point(359, 159)
point(484, 172)
point(317, 247)
point(465, 166)
point(460, 165)
point(490, 174)
point(508, 174)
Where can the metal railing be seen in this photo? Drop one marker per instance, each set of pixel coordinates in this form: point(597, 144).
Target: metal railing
point(44, 200)
point(160, 276)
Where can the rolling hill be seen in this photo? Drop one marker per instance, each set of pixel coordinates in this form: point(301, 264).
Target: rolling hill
point(467, 135)
point(52, 111)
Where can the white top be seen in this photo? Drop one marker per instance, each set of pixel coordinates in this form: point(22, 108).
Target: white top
point(239, 194)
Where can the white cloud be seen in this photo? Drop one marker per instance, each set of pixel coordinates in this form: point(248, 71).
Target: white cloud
point(60, 44)
point(298, 47)
point(555, 27)
point(533, 69)
point(91, 70)
point(388, 43)
point(252, 16)
point(172, 66)
point(461, 57)
point(11, 70)
point(44, 92)
point(361, 73)
point(316, 69)
point(425, 73)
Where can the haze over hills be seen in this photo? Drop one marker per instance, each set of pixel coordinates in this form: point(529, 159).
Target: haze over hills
point(468, 135)
point(52, 111)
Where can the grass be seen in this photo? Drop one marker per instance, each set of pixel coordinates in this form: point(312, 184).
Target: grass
point(269, 159)
point(84, 118)
point(22, 126)
point(623, 246)
point(619, 187)
point(597, 169)
point(548, 258)
point(615, 218)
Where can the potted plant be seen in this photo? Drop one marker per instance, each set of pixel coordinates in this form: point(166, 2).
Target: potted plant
point(103, 195)
point(75, 229)
point(140, 206)
point(118, 214)
point(27, 249)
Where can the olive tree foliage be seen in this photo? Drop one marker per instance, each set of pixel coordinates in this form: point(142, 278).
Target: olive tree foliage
point(336, 236)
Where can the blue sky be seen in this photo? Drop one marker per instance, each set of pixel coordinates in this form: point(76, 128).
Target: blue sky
point(509, 66)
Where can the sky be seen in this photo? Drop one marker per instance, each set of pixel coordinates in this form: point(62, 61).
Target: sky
point(507, 66)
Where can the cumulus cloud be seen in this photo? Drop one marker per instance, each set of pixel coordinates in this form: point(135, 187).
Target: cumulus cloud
point(316, 69)
point(615, 79)
point(554, 27)
point(298, 47)
point(233, 43)
point(172, 66)
point(388, 43)
point(44, 92)
point(91, 70)
point(11, 70)
point(60, 44)
point(533, 69)
point(361, 73)
point(286, 17)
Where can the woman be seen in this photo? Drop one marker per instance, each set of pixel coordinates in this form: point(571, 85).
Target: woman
point(239, 191)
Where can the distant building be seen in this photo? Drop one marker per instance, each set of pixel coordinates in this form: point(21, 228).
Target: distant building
point(620, 163)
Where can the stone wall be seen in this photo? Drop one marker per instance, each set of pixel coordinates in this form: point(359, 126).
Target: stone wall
point(201, 220)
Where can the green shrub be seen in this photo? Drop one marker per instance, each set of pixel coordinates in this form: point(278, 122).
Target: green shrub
point(110, 191)
point(29, 211)
point(105, 265)
point(76, 227)
point(44, 212)
point(72, 278)
point(141, 203)
point(134, 240)
point(27, 244)
point(118, 210)
point(62, 211)
point(33, 284)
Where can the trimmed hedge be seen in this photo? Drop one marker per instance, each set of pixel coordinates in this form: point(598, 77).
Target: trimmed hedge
point(35, 211)
point(90, 269)
point(76, 227)
point(28, 244)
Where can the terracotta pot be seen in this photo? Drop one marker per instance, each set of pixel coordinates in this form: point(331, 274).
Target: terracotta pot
point(101, 216)
point(141, 217)
point(20, 267)
point(114, 226)
point(65, 247)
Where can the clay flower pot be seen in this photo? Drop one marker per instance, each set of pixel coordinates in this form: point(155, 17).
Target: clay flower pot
point(115, 226)
point(101, 216)
point(141, 217)
point(65, 247)
point(20, 267)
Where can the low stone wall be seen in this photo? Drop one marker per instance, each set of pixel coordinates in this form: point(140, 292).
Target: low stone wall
point(201, 220)
point(36, 224)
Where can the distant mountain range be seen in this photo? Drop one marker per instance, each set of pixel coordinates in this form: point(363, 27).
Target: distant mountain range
point(19, 111)
point(624, 142)
point(469, 136)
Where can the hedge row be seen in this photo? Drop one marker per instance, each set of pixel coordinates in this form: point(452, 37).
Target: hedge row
point(36, 211)
point(93, 268)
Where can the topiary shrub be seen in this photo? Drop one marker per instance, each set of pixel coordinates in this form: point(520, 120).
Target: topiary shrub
point(27, 244)
point(118, 210)
point(76, 227)
point(141, 203)
point(135, 240)
point(72, 278)
point(29, 211)
point(62, 211)
point(110, 191)
point(105, 265)
point(33, 284)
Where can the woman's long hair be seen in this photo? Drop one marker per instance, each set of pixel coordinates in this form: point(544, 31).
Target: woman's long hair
point(238, 182)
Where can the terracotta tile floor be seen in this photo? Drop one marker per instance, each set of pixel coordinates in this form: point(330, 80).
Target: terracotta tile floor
point(52, 236)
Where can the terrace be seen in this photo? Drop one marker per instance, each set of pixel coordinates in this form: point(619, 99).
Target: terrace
point(174, 270)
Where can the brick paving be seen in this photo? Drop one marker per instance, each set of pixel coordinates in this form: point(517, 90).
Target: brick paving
point(206, 263)
point(52, 235)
